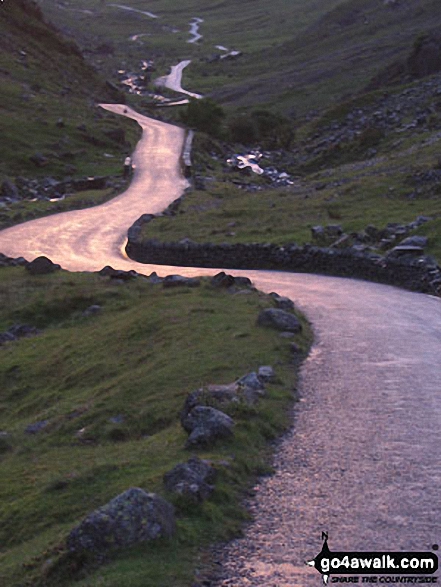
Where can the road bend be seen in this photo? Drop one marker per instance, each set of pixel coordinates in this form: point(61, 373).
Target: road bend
point(362, 460)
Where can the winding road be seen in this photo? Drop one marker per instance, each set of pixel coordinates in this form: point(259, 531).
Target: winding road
point(362, 461)
point(174, 79)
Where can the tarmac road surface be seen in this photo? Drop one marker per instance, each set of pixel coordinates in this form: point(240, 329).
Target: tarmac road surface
point(363, 459)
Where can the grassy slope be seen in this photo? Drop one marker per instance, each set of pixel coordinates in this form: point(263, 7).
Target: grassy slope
point(343, 186)
point(296, 57)
point(138, 358)
point(44, 78)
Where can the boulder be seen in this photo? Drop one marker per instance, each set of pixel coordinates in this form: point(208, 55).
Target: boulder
point(130, 518)
point(42, 266)
point(222, 279)
point(179, 280)
point(193, 479)
point(279, 319)
point(206, 425)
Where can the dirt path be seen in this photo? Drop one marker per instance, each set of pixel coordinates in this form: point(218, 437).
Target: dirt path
point(362, 462)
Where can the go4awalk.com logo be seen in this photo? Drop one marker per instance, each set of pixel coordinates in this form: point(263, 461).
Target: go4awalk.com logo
point(382, 567)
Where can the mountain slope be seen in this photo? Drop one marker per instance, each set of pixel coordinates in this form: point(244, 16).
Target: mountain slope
point(47, 91)
point(296, 56)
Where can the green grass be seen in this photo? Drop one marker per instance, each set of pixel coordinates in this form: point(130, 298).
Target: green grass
point(49, 97)
point(139, 358)
point(297, 56)
point(356, 194)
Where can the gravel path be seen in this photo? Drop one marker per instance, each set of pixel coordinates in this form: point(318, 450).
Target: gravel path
point(362, 462)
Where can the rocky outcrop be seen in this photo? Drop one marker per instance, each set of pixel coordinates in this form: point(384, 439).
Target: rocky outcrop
point(130, 518)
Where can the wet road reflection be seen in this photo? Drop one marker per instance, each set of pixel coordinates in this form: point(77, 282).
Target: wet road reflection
point(363, 460)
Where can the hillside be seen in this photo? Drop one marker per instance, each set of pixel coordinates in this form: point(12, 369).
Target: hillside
point(92, 385)
point(294, 57)
point(50, 124)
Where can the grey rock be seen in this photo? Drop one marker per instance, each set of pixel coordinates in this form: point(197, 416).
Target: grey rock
point(242, 282)
point(132, 517)
point(42, 266)
point(287, 335)
point(252, 381)
point(279, 319)
point(206, 425)
point(117, 274)
point(415, 241)
point(317, 232)
point(222, 279)
point(39, 160)
point(193, 479)
point(92, 310)
point(22, 330)
point(179, 280)
point(154, 278)
point(282, 302)
point(6, 337)
point(294, 348)
point(37, 427)
point(405, 250)
point(266, 373)
point(333, 230)
point(9, 190)
point(423, 219)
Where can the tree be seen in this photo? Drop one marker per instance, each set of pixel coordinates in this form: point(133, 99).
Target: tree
point(204, 115)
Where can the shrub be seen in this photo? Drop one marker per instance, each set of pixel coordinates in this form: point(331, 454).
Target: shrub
point(204, 115)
